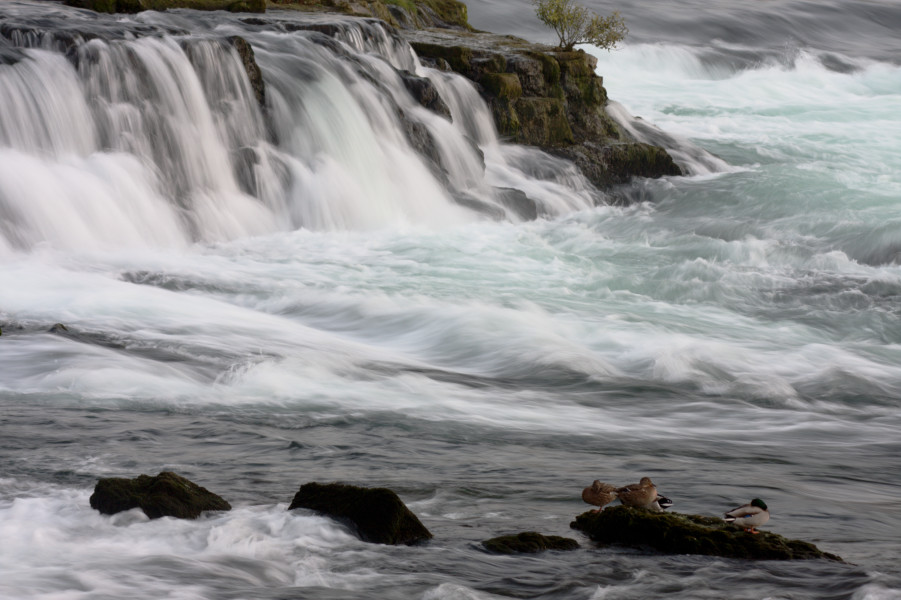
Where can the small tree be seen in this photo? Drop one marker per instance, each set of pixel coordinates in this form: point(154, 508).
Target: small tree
point(575, 24)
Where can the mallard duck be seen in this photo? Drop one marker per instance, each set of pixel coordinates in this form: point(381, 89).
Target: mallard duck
point(749, 516)
point(661, 503)
point(599, 494)
point(640, 495)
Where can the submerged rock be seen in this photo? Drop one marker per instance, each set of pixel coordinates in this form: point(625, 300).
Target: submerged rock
point(377, 514)
point(166, 495)
point(674, 533)
point(529, 542)
point(425, 92)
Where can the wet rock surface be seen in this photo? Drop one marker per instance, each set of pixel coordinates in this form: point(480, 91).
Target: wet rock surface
point(675, 533)
point(545, 98)
point(528, 542)
point(377, 514)
point(165, 495)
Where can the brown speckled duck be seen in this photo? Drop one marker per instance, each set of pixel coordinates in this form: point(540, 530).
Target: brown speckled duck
point(640, 495)
point(599, 494)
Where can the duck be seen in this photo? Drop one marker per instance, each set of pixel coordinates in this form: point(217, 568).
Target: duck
point(749, 516)
point(640, 495)
point(599, 494)
point(661, 503)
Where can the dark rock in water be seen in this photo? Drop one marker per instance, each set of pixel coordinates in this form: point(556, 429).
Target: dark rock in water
point(166, 495)
point(472, 203)
point(528, 542)
point(614, 163)
point(425, 93)
point(378, 514)
point(422, 141)
point(254, 75)
point(518, 202)
point(9, 55)
point(674, 533)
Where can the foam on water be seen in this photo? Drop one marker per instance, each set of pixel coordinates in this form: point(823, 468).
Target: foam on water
point(318, 301)
point(65, 549)
point(797, 111)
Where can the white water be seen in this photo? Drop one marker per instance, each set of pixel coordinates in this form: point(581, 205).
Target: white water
point(735, 334)
point(160, 142)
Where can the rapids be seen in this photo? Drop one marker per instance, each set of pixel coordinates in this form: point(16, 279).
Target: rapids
point(261, 296)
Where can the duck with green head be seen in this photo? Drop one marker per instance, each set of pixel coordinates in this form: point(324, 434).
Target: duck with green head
point(749, 516)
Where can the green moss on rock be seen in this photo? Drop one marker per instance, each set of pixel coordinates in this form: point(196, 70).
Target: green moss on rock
point(165, 495)
point(502, 85)
point(543, 122)
point(611, 163)
point(529, 542)
point(574, 64)
point(625, 161)
point(674, 533)
point(550, 67)
point(451, 12)
point(458, 57)
point(377, 513)
point(505, 118)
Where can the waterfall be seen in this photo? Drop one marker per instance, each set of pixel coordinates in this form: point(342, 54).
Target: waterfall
point(148, 132)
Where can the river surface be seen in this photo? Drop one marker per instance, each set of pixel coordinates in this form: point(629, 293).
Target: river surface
point(258, 299)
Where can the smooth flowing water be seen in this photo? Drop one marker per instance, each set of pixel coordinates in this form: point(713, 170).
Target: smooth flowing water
point(258, 298)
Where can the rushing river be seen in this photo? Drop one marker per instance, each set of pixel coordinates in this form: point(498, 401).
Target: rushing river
point(258, 300)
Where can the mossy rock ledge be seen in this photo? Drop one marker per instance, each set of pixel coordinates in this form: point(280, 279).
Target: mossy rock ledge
point(542, 97)
point(377, 514)
point(528, 542)
point(675, 533)
point(165, 495)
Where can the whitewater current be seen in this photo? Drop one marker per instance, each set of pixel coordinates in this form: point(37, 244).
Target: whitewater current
point(261, 295)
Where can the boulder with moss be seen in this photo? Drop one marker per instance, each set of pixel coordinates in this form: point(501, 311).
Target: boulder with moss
point(674, 533)
point(546, 98)
point(165, 495)
point(377, 514)
point(529, 542)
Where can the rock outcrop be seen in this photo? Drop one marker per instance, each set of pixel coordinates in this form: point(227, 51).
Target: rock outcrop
point(254, 75)
point(541, 97)
point(674, 533)
point(166, 495)
point(529, 542)
point(377, 514)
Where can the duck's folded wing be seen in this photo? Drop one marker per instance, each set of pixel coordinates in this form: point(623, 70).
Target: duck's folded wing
point(744, 511)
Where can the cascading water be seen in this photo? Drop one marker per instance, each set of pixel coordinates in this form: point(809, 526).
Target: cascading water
point(160, 140)
point(320, 279)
